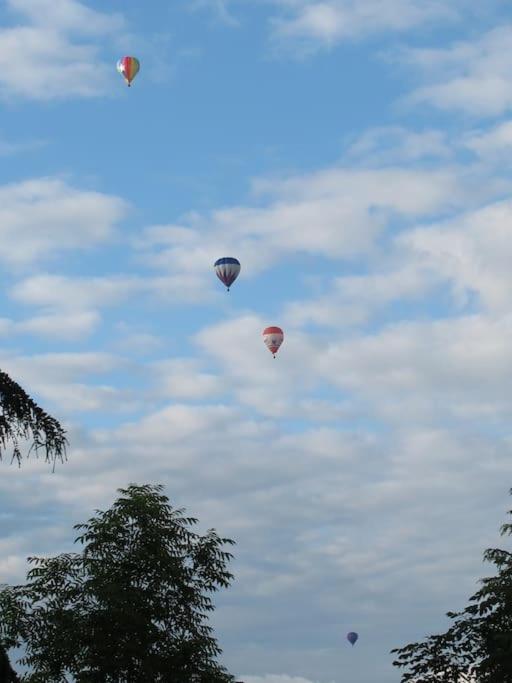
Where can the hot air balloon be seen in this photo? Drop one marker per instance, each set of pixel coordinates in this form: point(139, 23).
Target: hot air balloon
point(352, 637)
point(273, 338)
point(227, 269)
point(128, 67)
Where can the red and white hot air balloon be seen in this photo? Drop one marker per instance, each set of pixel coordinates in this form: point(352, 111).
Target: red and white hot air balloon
point(273, 338)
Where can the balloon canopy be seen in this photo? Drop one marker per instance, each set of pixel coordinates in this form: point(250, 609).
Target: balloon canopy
point(227, 269)
point(273, 338)
point(352, 637)
point(128, 67)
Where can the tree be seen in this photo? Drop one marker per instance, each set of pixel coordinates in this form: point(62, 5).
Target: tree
point(478, 645)
point(7, 673)
point(131, 607)
point(22, 418)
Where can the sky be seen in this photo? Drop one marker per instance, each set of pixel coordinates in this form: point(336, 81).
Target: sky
point(354, 155)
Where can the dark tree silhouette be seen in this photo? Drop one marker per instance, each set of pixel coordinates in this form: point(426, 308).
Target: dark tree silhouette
point(131, 607)
point(21, 419)
point(478, 646)
point(7, 674)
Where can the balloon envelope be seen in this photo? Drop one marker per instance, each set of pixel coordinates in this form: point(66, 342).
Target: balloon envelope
point(352, 637)
point(128, 67)
point(273, 338)
point(227, 269)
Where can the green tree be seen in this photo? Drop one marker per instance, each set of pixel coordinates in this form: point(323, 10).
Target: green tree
point(21, 419)
point(132, 607)
point(478, 645)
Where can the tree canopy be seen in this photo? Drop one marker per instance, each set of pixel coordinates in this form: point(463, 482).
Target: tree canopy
point(22, 418)
point(131, 607)
point(478, 645)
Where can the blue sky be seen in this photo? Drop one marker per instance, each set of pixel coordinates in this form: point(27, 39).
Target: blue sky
point(355, 156)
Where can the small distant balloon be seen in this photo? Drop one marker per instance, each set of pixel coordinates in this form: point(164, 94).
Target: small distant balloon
point(352, 637)
point(273, 338)
point(128, 67)
point(227, 269)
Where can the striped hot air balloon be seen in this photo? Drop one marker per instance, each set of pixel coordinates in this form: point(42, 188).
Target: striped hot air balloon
point(227, 269)
point(273, 338)
point(128, 67)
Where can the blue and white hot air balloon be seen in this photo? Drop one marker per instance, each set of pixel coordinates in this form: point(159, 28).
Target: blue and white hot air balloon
point(227, 269)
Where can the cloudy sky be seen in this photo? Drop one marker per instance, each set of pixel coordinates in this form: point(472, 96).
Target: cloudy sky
point(355, 156)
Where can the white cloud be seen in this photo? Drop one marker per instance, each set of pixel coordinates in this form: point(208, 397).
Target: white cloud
point(338, 213)
point(63, 365)
point(471, 76)
point(419, 370)
point(61, 326)
point(491, 143)
point(465, 257)
point(177, 423)
point(67, 15)
point(248, 369)
point(53, 54)
point(82, 398)
point(64, 293)
point(394, 144)
point(220, 8)
point(70, 307)
point(46, 216)
point(54, 377)
point(472, 252)
point(6, 326)
point(136, 340)
point(353, 300)
point(314, 23)
point(8, 148)
point(12, 563)
point(424, 371)
point(182, 378)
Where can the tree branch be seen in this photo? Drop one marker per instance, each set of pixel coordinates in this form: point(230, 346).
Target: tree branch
point(22, 418)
